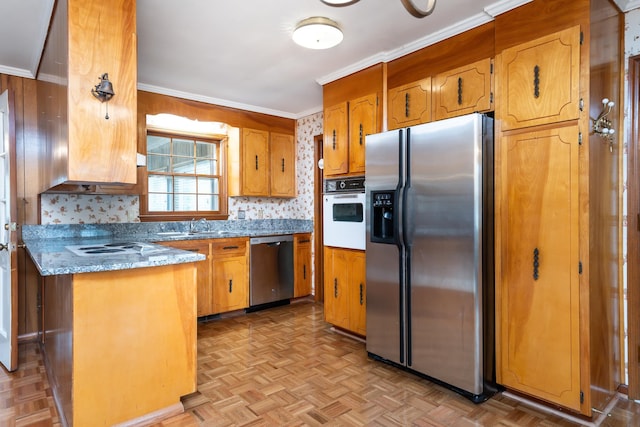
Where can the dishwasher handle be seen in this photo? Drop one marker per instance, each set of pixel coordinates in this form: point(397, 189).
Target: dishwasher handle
point(271, 239)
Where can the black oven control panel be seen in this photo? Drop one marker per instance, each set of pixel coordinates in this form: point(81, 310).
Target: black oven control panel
point(344, 185)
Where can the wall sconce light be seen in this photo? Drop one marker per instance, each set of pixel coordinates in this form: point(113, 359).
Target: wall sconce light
point(602, 125)
point(104, 91)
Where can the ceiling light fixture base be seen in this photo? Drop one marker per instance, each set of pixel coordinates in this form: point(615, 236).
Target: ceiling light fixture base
point(317, 33)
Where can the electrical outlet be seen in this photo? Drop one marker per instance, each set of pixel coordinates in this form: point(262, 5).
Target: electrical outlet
point(241, 214)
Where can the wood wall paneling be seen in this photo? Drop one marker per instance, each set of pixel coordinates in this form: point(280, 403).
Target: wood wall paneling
point(362, 83)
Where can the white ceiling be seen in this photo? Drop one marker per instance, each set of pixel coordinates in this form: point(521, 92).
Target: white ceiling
point(240, 53)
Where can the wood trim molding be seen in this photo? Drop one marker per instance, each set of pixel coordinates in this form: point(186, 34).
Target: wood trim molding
point(633, 226)
point(318, 257)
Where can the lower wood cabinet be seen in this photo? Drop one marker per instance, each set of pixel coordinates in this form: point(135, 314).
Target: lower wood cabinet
point(345, 289)
point(302, 265)
point(223, 278)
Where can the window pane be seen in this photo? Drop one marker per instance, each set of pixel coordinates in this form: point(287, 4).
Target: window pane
point(185, 184)
point(183, 165)
point(208, 202)
point(160, 202)
point(158, 144)
point(160, 184)
point(183, 147)
point(185, 202)
point(207, 167)
point(157, 163)
point(205, 150)
point(208, 185)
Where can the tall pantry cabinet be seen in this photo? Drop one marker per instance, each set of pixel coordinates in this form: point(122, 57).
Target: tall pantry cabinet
point(544, 190)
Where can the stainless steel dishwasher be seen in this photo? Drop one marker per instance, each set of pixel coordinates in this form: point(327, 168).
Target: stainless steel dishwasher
point(271, 272)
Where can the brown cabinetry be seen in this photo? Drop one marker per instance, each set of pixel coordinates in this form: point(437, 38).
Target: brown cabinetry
point(345, 289)
point(346, 126)
point(540, 80)
point(230, 274)
point(88, 39)
point(539, 303)
point(409, 104)
point(261, 164)
point(302, 265)
point(464, 90)
point(223, 278)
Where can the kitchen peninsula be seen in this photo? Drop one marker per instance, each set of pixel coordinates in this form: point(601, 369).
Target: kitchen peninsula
point(119, 328)
point(119, 313)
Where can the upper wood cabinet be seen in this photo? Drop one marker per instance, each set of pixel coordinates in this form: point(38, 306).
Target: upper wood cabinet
point(261, 164)
point(336, 139)
point(363, 121)
point(540, 81)
point(409, 104)
point(87, 39)
point(283, 165)
point(464, 90)
point(346, 126)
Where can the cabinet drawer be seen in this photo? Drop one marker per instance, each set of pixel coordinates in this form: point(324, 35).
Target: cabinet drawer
point(229, 247)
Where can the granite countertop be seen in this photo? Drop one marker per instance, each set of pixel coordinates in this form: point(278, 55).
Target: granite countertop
point(47, 244)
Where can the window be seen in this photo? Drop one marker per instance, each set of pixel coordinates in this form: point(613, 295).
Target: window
point(185, 176)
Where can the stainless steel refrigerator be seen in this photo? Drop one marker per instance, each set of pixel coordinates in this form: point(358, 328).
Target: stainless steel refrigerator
point(429, 246)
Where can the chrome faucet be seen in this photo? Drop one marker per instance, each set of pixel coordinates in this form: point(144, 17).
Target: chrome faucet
point(193, 224)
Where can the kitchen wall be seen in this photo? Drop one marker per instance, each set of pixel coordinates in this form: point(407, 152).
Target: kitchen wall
point(92, 209)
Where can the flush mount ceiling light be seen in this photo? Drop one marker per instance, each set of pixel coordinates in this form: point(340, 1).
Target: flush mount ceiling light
point(317, 33)
point(418, 8)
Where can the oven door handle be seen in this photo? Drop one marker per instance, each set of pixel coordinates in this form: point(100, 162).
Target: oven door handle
point(345, 196)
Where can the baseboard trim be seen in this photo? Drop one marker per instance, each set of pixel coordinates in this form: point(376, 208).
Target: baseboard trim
point(153, 417)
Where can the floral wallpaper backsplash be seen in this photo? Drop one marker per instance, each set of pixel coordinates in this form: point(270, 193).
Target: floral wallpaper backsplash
point(99, 209)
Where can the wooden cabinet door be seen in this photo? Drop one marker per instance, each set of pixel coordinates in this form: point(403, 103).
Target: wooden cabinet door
point(230, 286)
point(336, 140)
point(204, 290)
point(409, 104)
point(363, 121)
point(255, 162)
point(358, 293)
point(336, 291)
point(283, 165)
point(539, 81)
point(538, 279)
point(302, 265)
point(464, 90)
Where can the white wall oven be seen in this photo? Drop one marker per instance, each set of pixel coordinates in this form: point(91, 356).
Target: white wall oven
point(344, 222)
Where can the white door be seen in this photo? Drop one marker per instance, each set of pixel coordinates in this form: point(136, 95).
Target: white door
point(8, 291)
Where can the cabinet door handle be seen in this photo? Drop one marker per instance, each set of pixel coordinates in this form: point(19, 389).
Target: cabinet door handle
point(230, 285)
point(226, 248)
point(305, 241)
point(406, 104)
point(256, 162)
point(360, 133)
point(304, 271)
point(536, 81)
point(361, 295)
point(536, 263)
point(335, 287)
point(459, 90)
point(283, 165)
point(334, 139)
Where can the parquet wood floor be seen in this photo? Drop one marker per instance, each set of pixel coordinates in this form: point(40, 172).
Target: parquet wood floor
point(286, 367)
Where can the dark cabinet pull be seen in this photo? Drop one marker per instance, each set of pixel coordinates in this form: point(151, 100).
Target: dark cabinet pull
point(459, 90)
point(226, 248)
point(361, 295)
point(335, 287)
point(230, 285)
point(360, 133)
point(256, 162)
point(406, 104)
point(305, 241)
point(283, 165)
point(334, 139)
point(536, 263)
point(536, 81)
point(304, 271)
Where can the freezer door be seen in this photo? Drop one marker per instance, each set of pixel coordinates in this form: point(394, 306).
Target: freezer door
point(444, 241)
point(385, 272)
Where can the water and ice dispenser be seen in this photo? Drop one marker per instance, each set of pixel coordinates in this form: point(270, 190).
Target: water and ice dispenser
point(383, 203)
